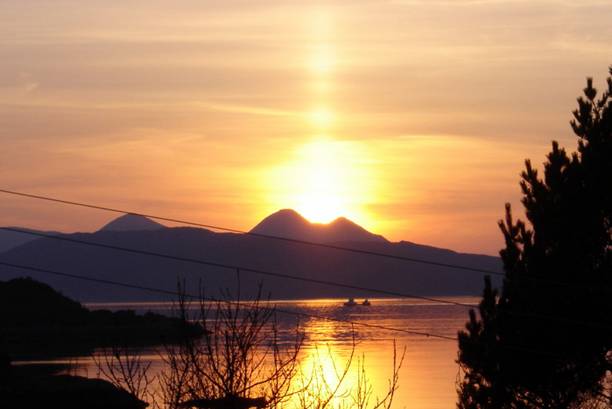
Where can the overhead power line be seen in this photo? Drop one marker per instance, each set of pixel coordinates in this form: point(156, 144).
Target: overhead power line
point(211, 299)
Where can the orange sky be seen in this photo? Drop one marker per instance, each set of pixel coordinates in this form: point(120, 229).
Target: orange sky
point(410, 117)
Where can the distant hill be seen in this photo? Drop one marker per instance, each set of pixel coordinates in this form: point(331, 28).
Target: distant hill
point(127, 222)
point(132, 222)
point(289, 223)
point(10, 239)
point(253, 252)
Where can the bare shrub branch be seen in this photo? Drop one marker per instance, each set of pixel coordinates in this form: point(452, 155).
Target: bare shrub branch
point(125, 369)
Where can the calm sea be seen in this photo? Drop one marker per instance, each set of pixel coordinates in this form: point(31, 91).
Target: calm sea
point(427, 378)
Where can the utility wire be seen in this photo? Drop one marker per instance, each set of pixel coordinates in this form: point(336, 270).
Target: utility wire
point(291, 277)
point(266, 236)
point(174, 293)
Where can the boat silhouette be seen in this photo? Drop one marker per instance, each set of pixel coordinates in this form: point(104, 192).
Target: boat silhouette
point(350, 303)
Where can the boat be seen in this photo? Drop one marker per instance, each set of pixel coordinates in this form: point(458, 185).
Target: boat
point(350, 303)
point(366, 302)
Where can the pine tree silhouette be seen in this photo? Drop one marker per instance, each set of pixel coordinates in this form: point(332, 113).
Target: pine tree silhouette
point(545, 340)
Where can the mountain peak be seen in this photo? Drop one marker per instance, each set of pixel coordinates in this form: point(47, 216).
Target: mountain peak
point(132, 222)
point(288, 214)
point(290, 224)
point(342, 221)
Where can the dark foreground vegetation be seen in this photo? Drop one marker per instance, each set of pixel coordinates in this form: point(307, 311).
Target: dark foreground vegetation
point(545, 340)
point(35, 387)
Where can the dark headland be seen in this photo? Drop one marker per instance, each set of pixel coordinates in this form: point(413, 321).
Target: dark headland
point(40, 323)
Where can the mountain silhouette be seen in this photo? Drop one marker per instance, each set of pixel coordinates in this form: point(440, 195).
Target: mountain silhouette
point(132, 222)
point(127, 222)
point(251, 252)
point(11, 239)
point(290, 224)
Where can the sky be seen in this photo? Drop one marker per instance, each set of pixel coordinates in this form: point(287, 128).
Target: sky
point(412, 118)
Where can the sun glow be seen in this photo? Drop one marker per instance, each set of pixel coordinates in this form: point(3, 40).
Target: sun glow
point(322, 60)
point(326, 179)
point(321, 118)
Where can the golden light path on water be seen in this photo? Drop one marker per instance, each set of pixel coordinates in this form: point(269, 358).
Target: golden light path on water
point(428, 371)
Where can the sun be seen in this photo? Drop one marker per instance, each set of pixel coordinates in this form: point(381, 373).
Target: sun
point(321, 117)
point(322, 60)
point(325, 179)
